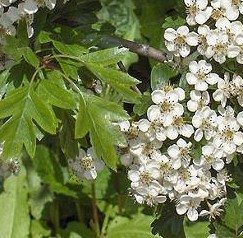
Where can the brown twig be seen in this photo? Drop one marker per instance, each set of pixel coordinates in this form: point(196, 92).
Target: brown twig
point(144, 50)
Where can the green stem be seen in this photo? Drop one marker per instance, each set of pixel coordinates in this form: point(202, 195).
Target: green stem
point(55, 216)
point(79, 212)
point(118, 191)
point(66, 56)
point(95, 211)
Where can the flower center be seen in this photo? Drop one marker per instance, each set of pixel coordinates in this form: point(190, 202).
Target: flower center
point(192, 10)
point(86, 163)
point(132, 132)
point(145, 178)
point(148, 149)
point(216, 14)
point(236, 2)
point(164, 167)
point(220, 48)
point(167, 88)
point(227, 134)
point(166, 106)
point(209, 159)
point(201, 75)
point(180, 41)
point(178, 122)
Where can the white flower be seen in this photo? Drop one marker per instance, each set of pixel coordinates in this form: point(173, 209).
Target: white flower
point(188, 205)
point(180, 40)
point(200, 75)
point(233, 8)
point(151, 194)
point(205, 121)
point(198, 100)
point(154, 129)
point(176, 126)
point(203, 32)
point(228, 136)
point(237, 88)
point(210, 157)
point(223, 91)
point(180, 154)
point(214, 210)
point(166, 107)
point(218, 46)
point(86, 165)
point(197, 11)
point(143, 175)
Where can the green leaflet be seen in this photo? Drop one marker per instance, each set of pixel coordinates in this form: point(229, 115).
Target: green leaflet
point(98, 120)
point(14, 219)
point(120, 81)
point(105, 57)
point(56, 95)
point(23, 108)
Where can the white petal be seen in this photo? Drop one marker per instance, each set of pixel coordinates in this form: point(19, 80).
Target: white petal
point(181, 209)
point(170, 34)
point(192, 39)
point(30, 7)
point(233, 51)
point(183, 30)
point(192, 214)
point(173, 151)
point(191, 78)
point(158, 96)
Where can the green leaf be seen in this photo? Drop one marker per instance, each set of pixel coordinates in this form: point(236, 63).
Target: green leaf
point(233, 214)
point(69, 67)
point(136, 227)
point(104, 135)
point(121, 82)
point(105, 57)
point(38, 230)
point(51, 171)
point(160, 75)
point(68, 49)
point(44, 37)
point(56, 95)
point(29, 56)
point(24, 109)
point(14, 219)
point(68, 143)
point(196, 229)
point(39, 193)
point(3, 82)
point(82, 122)
point(174, 23)
point(169, 224)
point(77, 230)
point(143, 105)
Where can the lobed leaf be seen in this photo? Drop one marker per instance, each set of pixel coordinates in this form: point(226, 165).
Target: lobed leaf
point(23, 109)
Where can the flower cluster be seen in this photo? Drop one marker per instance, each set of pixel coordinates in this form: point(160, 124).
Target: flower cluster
point(224, 39)
point(161, 154)
point(179, 152)
point(85, 165)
